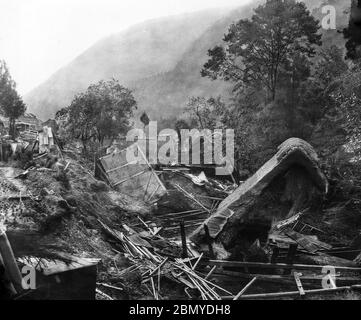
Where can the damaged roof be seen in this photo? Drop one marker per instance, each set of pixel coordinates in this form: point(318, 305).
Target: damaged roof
point(293, 151)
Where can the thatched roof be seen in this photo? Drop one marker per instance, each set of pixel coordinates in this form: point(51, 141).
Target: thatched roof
point(293, 152)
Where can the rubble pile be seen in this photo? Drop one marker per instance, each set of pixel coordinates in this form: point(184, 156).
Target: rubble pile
point(182, 234)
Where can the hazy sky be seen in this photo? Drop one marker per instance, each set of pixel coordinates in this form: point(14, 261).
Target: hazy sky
point(37, 37)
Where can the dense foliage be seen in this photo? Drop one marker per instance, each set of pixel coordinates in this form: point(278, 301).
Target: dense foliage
point(286, 84)
point(11, 104)
point(272, 46)
point(104, 110)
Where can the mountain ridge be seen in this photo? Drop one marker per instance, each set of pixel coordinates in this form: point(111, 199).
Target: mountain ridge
point(160, 60)
point(122, 55)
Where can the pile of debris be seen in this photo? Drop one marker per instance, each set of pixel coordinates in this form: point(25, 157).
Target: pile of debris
point(262, 224)
point(172, 232)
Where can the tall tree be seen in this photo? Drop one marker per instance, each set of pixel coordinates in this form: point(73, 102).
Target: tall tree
point(257, 51)
point(103, 110)
point(11, 104)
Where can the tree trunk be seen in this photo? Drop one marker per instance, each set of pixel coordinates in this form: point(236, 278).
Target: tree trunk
point(84, 145)
point(12, 128)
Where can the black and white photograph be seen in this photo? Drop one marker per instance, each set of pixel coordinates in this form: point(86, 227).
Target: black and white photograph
point(181, 155)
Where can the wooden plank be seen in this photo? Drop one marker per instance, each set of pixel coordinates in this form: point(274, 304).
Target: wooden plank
point(179, 213)
point(298, 283)
point(191, 197)
point(172, 222)
point(129, 178)
point(101, 293)
point(155, 174)
point(180, 216)
point(242, 264)
point(8, 259)
point(186, 226)
point(280, 278)
point(120, 167)
point(146, 188)
point(244, 289)
point(184, 240)
point(188, 217)
point(158, 267)
point(210, 272)
point(273, 295)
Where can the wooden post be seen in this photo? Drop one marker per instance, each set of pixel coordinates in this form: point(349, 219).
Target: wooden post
point(290, 255)
point(184, 240)
point(275, 253)
point(11, 267)
point(209, 241)
point(7, 283)
point(291, 252)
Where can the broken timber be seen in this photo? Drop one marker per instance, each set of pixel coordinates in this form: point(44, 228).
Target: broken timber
point(242, 264)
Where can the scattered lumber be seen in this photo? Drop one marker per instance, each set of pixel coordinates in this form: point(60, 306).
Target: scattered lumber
point(153, 265)
point(207, 289)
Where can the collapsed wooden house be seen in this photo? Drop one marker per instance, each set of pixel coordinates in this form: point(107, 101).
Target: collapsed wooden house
point(279, 189)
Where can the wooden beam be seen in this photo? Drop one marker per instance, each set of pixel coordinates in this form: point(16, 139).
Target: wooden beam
point(293, 293)
point(242, 264)
point(299, 283)
point(184, 240)
point(191, 197)
point(244, 289)
point(186, 226)
point(184, 213)
point(129, 178)
point(151, 168)
point(146, 188)
point(9, 261)
point(281, 278)
point(210, 272)
point(122, 166)
point(153, 193)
